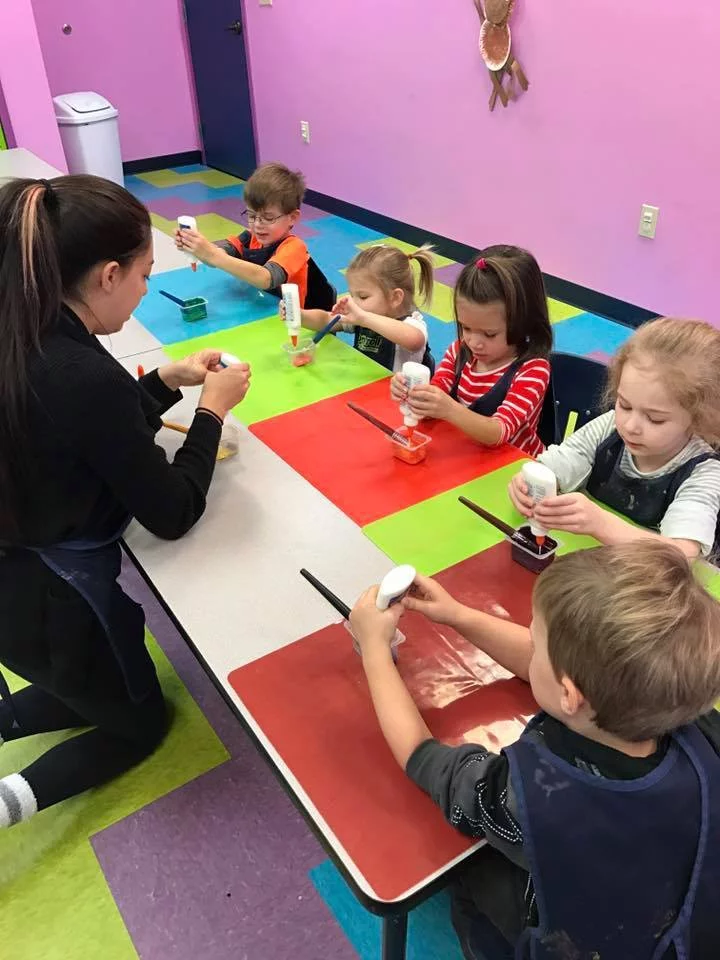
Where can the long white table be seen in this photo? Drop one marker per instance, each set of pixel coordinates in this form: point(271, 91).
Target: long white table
point(232, 584)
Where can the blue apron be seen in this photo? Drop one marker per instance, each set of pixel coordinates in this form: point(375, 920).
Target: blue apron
point(642, 499)
point(92, 569)
point(622, 869)
point(488, 403)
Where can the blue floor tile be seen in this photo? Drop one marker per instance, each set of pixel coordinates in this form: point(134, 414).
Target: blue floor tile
point(588, 333)
point(430, 932)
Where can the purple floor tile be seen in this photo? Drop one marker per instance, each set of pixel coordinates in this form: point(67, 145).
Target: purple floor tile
point(218, 869)
point(449, 274)
point(171, 207)
point(600, 356)
point(233, 830)
point(312, 213)
point(304, 231)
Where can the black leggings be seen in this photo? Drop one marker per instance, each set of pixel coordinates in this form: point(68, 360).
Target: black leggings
point(52, 638)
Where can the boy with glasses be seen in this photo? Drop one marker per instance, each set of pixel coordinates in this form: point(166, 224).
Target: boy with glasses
point(267, 255)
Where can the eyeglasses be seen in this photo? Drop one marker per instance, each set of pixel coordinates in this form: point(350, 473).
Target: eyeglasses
point(261, 219)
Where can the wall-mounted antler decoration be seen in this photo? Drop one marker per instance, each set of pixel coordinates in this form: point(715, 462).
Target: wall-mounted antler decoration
point(496, 50)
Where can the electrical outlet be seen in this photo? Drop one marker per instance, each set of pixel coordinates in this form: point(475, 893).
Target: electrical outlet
point(648, 221)
point(305, 130)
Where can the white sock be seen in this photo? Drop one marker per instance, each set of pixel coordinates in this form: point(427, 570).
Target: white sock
point(17, 801)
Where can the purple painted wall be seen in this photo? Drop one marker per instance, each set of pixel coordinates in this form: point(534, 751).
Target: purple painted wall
point(135, 54)
point(25, 86)
point(396, 95)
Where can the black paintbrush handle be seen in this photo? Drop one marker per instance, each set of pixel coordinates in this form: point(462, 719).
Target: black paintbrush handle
point(342, 608)
point(499, 524)
point(386, 429)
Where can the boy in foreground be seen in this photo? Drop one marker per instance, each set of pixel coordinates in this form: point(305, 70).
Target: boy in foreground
point(603, 819)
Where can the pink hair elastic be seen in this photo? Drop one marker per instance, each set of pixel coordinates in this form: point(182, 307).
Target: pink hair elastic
point(481, 263)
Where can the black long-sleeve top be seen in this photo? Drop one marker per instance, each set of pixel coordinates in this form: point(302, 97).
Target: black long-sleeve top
point(91, 459)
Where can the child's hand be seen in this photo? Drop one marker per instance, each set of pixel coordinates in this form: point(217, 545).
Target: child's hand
point(349, 310)
point(398, 388)
point(190, 241)
point(429, 598)
point(372, 628)
point(572, 512)
point(518, 492)
point(430, 401)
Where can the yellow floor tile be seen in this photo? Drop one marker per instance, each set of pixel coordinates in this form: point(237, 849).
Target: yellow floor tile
point(561, 311)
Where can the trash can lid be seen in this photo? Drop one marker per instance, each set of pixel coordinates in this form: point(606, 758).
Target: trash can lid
point(85, 107)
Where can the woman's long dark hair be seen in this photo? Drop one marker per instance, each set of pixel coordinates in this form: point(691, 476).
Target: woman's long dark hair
point(508, 275)
point(51, 234)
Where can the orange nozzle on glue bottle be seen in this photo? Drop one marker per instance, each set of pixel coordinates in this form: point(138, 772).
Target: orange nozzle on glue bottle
point(291, 303)
point(541, 482)
point(189, 223)
point(415, 375)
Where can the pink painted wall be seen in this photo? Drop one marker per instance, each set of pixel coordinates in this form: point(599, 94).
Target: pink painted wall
point(396, 95)
point(135, 54)
point(24, 84)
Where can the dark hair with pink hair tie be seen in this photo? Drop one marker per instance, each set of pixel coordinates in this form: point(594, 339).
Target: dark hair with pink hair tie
point(481, 263)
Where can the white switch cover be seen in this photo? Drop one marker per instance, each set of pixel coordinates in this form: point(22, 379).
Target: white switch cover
point(648, 221)
point(305, 130)
point(265, 3)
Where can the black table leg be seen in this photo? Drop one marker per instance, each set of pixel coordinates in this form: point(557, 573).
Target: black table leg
point(394, 937)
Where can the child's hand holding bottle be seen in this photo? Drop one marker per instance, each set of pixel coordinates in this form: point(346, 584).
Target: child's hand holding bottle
point(191, 241)
point(398, 388)
point(518, 493)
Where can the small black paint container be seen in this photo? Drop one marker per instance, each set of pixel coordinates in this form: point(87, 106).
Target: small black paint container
point(532, 558)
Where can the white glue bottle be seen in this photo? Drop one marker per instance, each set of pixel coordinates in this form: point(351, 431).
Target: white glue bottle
point(541, 482)
point(188, 223)
point(395, 585)
point(291, 302)
point(228, 360)
point(415, 375)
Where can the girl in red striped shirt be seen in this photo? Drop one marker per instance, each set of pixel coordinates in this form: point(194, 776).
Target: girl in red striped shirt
point(491, 383)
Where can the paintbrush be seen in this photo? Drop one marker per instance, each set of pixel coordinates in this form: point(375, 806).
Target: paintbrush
point(510, 532)
point(388, 431)
point(223, 452)
point(342, 608)
point(326, 329)
point(171, 296)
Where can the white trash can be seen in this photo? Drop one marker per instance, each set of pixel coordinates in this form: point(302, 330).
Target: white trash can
point(89, 133)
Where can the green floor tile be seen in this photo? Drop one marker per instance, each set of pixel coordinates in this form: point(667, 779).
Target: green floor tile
point(171, 178)
point(561, 311)
point(406, 248)
point(277, 387)
point(443, 305)
point(440, 532)
point(54, 901)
